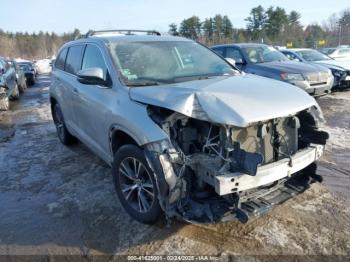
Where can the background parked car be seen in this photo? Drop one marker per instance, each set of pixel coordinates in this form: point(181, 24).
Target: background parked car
point(35, 67)
point(20, 76)
point(340, 69)
point(266, 61)
point(340, 53)
point(8, 85)
point(28, 72)
point(326, 50)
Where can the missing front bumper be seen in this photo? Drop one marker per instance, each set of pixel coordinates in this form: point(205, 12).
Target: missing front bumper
point(237, 182)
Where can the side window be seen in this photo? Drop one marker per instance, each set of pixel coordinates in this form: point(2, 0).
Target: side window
point(288, 55)
point(61, 59)
point(219, 51)
point(94, 58)
point(234, 54)
point(73, 61)
point(291, 56)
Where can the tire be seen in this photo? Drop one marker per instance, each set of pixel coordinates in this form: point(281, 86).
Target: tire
point(4, 102)
point(63, 134)
point(15, 93)
point(137, 191)
point(30, 82)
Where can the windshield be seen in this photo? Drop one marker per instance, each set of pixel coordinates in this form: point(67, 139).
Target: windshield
point(164, 62)
point(312, 55)
point(28, 65)
point(263, 54)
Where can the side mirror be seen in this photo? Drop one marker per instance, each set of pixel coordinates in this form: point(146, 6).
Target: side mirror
point(92, 76)
point(231, 61)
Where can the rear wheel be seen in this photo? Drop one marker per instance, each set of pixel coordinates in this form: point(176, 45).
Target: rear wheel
point(63, 134)
point(135, 184)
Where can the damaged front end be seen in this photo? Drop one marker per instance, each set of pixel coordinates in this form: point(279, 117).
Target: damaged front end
point(208, 172)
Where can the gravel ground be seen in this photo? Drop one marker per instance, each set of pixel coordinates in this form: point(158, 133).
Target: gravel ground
point(56, 200)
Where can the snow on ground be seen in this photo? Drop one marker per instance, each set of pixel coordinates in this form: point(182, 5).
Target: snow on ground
point(44, 66)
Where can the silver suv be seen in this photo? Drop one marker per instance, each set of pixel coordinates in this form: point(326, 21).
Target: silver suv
point(186, 133)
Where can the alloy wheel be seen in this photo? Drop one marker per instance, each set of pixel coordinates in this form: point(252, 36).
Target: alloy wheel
point(59, 123)
point(136, 185)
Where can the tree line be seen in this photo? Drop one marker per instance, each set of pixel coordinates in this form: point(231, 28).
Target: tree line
point(33, 46)
point(272, 25)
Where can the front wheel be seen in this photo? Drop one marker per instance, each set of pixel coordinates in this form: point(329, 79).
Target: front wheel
point(135, 184)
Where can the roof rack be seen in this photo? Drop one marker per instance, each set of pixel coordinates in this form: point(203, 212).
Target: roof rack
point(122, 31)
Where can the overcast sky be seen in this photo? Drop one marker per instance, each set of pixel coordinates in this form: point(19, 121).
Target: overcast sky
point(65, 15)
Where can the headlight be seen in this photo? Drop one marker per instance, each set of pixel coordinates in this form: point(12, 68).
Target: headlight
point(292, 77)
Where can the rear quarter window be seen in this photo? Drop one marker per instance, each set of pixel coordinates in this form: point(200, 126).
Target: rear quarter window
point(61, 59)
point(73, 61)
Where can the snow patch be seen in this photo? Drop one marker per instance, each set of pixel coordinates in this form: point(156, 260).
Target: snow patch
point(338, 137)
point(274, 233)
point(44, 66)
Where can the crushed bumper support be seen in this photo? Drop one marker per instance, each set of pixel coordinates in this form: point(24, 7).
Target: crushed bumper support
point(236, 182)
point(252, 204)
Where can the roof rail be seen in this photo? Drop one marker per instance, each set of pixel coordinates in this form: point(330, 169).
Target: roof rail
point(121, 31)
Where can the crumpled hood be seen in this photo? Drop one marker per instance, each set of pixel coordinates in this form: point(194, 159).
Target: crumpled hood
point(343, 64)
point(235, 100)
point(292, 67)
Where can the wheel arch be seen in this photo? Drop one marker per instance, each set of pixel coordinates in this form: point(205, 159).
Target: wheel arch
point(53, 102)
point(119, 136)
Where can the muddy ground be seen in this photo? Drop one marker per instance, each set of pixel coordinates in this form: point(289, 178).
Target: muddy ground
point(60, 200)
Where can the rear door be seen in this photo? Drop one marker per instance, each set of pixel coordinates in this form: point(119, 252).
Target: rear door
point(66, 78)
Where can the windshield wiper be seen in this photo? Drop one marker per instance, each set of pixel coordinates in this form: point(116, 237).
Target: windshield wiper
point(142, 83)
point(197, 77)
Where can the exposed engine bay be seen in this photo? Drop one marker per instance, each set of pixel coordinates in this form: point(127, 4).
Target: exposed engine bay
point(212, 172)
